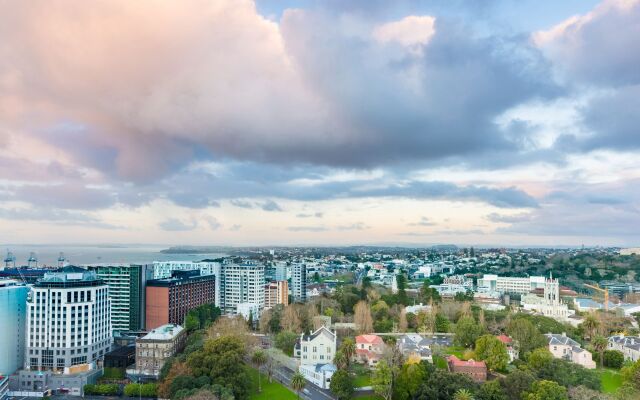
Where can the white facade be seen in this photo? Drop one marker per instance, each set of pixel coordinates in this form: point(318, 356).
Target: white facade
point(568, 349)
point(319, 374)
point(299, 283)
point(628, 345)
point(241, 283)
point(550, 305)
point(504, 284)
point(13, 316)
point(248, 310)
point(68, 321)
point(282, 272)
point(318, 347)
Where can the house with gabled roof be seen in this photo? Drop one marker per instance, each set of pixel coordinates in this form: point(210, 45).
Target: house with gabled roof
point(476, 370)
point(369, 349)
point(316, 352)
point(562, 346)
point(628, 345)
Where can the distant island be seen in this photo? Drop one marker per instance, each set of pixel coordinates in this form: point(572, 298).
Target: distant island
point(196, 250)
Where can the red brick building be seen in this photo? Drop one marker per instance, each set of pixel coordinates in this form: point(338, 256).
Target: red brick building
point(476, 370)
point(170, 299)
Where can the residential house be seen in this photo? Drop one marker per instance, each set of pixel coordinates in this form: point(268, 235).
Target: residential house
point(628, 345)
point(568, 349)
point(369, 349)
point(476, 370)
point(413, 345)
point(316, 352)
point(511, 350)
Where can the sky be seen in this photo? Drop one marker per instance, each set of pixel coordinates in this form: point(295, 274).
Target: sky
point(335, 122)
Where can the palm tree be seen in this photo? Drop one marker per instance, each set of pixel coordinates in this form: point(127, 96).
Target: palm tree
point(590, 324)
point(298, 382)
point(340, 360)
point(348, 347)
point(599, 344)
point(258, 359)
point(463, 394)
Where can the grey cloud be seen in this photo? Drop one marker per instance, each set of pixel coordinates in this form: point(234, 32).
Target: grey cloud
point(213, 222)
point(242, 204)
point(235, 227)
point(271, 205)
point(424, 221)
point(310, 215)
point(358, 226)
point(54, 216)
point(510, 219)
point(174, 224)
point(69, 196)
point(307, 228)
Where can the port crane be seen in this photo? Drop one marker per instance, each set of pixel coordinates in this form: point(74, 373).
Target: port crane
point(599, 289)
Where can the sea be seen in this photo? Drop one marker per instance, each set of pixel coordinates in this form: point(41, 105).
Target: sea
point(47, 255)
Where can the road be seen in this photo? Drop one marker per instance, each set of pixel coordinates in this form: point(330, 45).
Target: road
point(312, 392)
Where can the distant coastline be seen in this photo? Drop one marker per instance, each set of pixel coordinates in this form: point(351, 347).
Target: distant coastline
point(196, 250)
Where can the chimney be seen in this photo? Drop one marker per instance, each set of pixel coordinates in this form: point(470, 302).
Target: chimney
point(564, 334)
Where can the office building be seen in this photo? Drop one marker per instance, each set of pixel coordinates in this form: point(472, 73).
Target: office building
point(13, 316)
point(276, 292)
point(241, 283)
point(299, 282)
point(126, 290)
point(153, 350)
point(281, 271)
point(510, 285)
point(68, 321)
point(170, 299)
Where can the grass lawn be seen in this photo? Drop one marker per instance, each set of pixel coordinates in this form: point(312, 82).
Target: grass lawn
point(362, 376)
point(367, 397)
point(457, 351)
point(440, 362)
point(270, 391)
point(611, 380)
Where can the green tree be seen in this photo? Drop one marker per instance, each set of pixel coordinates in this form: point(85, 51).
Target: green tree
point(631, 374)
point(590, 324)
point(408, 382)
point(526, 335)
point(285, 341)
point(342, 384)
point(401, 280)
point(613, 359)
point(463, 394)
point(442, 385)
point(442, 323)
point(493, 352)
point(517, 383)
point(600, 344)
point(491, 390)
point(540, 358)
point(191, 323)
point(298, 382)
point(348, 348)
point(467, 332)
point(258, 359)
point(546, 390)
point(382, 380)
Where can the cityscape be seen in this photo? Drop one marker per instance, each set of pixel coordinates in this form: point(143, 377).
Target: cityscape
point(320, 200)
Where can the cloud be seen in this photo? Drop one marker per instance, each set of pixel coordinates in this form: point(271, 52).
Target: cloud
point(411, 31)
point(235, 227)
point(69, 196)
point(307, 228)
point(358, 226)
point(242, 204)
point(270, 205)
point(424, 221)
point(310, 215)
point(213, 222)
point(57, 216)
point(176, 225)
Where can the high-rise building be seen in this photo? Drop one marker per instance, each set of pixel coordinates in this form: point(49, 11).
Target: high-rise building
point(241, 283)
point(68, 321)
point(512, 285)
point(281, 271)
point(276, 292)
point(299, 282)
point(163, 269)
point(170, 299)
point(13, 315)
point(126, 290)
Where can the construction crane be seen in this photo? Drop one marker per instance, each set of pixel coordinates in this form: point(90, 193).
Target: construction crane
point(599, 289)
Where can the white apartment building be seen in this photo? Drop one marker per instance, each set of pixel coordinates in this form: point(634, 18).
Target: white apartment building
point(13, 315)
point(628, 345)
point(299, 282)
point(240, 283)
point(68, 321)
point(562, 346)
point(512, 285)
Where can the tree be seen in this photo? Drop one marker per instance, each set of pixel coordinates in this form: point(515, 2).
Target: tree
point(409, 379)
point(584, 393)
point(403, 324)
point(540, 358)
point(348, 347)
point(590, 324)
point(526, 335)
point(341, 384)
point(290, 319)
point(362, 317)
point(442, 385)
point(463, 394)
point(382, 380)
point(191, 323)
point(492, 351)
point(258, 359)
point(298, 382)
point(517, 383)
point(286, 341)
point(340, 360)
point(401, 280)
point(491, 390)
point(600, 344)
point(546, 390)
point(631, 375)
point(442, 323)
point(467, 332)
point(613, 359)
point(427, 293)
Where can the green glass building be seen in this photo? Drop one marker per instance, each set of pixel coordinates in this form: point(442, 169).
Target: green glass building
point(126, 289)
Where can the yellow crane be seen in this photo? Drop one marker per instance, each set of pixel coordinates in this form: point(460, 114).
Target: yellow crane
point(599, 289)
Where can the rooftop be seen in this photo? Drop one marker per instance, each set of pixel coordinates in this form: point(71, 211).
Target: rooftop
point(164, 332)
